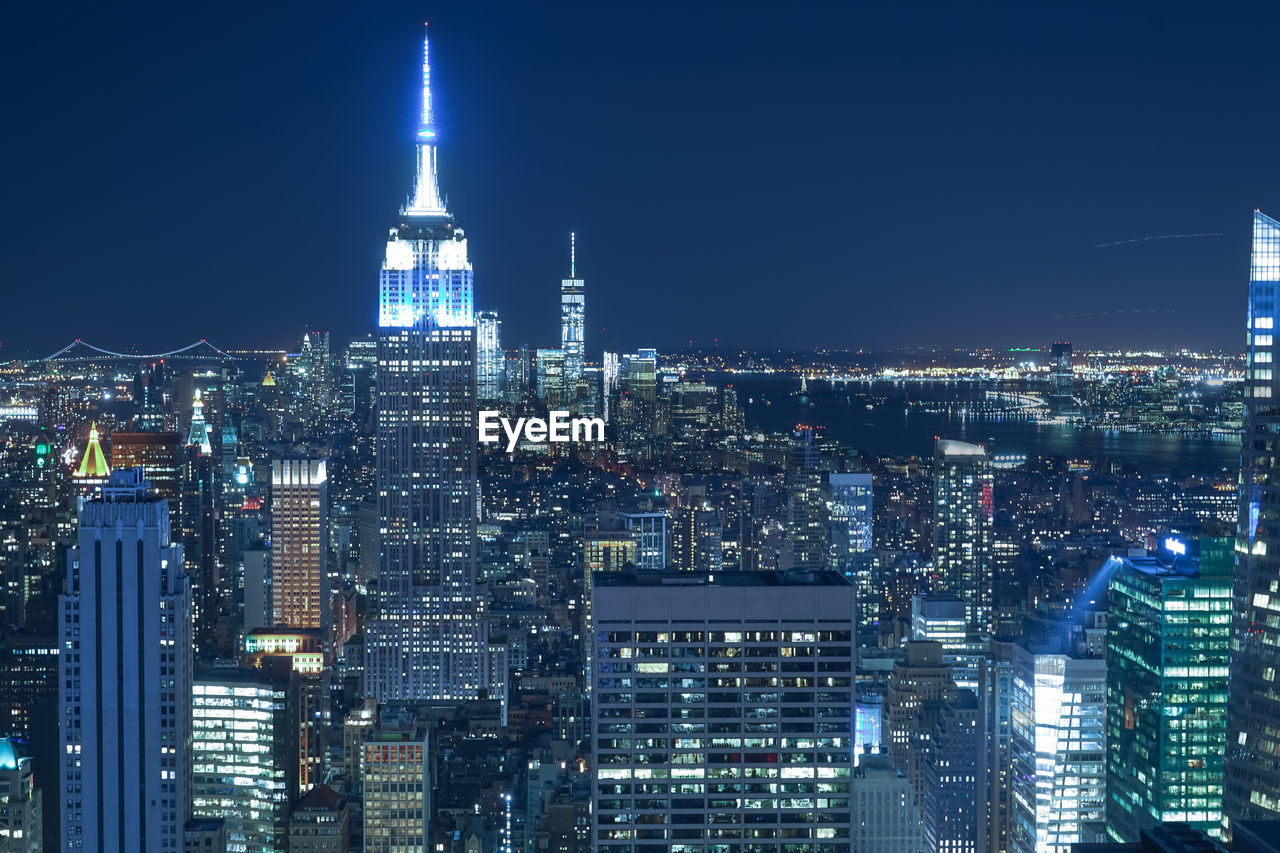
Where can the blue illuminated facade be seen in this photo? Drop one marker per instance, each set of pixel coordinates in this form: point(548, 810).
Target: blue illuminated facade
point(427, 635)
point(1252, 772)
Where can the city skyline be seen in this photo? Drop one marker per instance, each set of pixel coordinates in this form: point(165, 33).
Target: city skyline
point(1046, 181)
point(262, 601)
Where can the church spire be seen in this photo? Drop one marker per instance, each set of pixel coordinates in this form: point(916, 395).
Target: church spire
point(426, 193)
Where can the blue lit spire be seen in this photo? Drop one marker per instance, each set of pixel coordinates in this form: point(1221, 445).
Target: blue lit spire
point(426, 193)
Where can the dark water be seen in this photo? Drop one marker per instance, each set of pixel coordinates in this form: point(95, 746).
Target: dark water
point(894, 428)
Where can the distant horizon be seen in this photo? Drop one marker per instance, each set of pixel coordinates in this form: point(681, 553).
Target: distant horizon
point(593, 356)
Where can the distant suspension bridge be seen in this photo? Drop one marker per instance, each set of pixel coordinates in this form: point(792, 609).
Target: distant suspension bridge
point(79, 350)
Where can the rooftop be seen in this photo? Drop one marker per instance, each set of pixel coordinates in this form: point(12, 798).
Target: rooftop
point(719, 579)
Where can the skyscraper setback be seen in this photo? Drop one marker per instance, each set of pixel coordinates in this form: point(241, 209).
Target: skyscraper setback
point(427, 636)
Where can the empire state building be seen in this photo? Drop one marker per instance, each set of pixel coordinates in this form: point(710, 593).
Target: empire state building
point(427, 635)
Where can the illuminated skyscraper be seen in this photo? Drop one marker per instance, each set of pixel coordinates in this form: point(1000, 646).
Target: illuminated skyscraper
point(849, 517)
point(1168, 629)
point(1061, 377)
point(491, 361)
point(1252, 770)
point(553, 387)
point(427, 636)
point(962, 521)
point(126, 676)
point(299, 543)
point(244, 753)
point(1059, 746)
point(573, 294)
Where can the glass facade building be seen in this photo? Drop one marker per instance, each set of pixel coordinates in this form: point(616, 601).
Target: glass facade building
point(1058, 719)
point(723, 708)
point(1252, 790)
point(849, 516)
point(1168, 631)
point(244, 756)
point(491, 361)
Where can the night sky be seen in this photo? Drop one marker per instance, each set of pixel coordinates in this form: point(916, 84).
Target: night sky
point(768, 175)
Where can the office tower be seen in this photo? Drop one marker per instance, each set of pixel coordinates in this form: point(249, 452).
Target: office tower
point(641, 375)
point(21, 802)
point(518, 375)
point(491, 361)
point(739, 687)
point(357, 724)
point(650, 531)
point(259, 611)
point(609, 380)
point(601, 552)
point(552, 383)
point(426, 637)
point(884, 817)
point(199, 489)
point(125, 671)
point(299, 543)
point(920, 686)
point(198, 434)
point(315, 372)
point(849, 519)
point(1058, 747)
point(807, 520)
point(995, 697)
point(1252, 770)
point(962, 507)
point(696, 541)
point(943, 618)
point(573, 294)
point(201, 835)
point(1168, 635)
point(320, 822)
point(28, 683)
point(1061, 378)
point(156, 453)
point(244, 753)
point(397, 783)
point(951, 787)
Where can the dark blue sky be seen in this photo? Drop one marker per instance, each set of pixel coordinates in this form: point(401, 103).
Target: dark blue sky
point(771, 175)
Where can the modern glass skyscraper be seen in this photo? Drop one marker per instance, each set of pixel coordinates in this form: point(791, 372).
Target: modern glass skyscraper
point(491, 361)
point(573, 295)
point(849, 515)
point(1168, 628)
point(1252, 790)
point(962, 522)
point(1059, 746)
point(244, 753)
point(427, 636)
